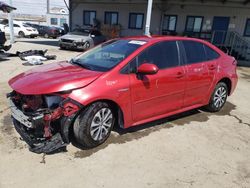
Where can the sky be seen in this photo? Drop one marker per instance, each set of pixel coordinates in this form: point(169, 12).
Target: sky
point(35, 7)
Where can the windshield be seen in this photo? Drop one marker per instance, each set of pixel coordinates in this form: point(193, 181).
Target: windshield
point(25, 25)
point(106, 56)
point(80, 32)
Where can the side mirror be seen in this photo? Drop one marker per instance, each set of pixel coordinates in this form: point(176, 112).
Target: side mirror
point(147, 69)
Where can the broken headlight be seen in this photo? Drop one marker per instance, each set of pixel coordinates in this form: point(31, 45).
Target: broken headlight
point(53, 101)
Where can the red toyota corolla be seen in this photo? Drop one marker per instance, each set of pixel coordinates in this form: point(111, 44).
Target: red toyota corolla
point(123, 82)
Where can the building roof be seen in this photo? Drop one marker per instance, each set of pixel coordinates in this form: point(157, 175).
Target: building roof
point(181, 2)
point(58, 10)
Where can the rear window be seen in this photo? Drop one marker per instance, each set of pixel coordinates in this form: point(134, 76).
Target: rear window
point(210, 53)
point(195, 52)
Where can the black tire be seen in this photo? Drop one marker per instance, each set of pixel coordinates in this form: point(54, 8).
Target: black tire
point(214, 105)
point(62, 47)
point(83, 129)
point(21, 34)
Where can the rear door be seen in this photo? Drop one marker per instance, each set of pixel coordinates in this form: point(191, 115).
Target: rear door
point(199, 78)
point(153, 95)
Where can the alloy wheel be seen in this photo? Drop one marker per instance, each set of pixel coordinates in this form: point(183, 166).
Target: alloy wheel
point(101, 124)
point(220, 97)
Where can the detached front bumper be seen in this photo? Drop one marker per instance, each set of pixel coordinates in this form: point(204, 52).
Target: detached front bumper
point(72, 45)
point(54, 144)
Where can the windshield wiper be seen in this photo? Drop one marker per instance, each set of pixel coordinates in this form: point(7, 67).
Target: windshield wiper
point(76, 62)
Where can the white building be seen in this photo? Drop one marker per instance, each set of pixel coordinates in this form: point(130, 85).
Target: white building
point(57, 17)
point(219, 21)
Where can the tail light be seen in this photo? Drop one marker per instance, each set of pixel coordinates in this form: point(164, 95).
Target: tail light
point(234, 62)
point(52, 30)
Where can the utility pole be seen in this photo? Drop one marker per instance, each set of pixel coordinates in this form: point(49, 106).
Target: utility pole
point(10, 18)
point(148, 19)
point(48, 7)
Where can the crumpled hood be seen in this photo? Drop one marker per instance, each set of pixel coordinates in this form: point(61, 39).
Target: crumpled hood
point(51, 78)
point(75, 37)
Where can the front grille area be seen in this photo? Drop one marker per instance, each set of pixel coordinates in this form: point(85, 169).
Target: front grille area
point(67, 40)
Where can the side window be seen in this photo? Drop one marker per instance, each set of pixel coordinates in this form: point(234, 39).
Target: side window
point(163, 55)
point(195, 52)
point(210, 53)
point(171, 54)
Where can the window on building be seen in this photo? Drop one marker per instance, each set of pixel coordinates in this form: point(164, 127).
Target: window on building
point(194, 23)
point(88, 17)
point(53, 21)
point(195, 51)
point(169, 23)
point(247, 28)
point(63, 21)
point(136, 20)
point(111, 18)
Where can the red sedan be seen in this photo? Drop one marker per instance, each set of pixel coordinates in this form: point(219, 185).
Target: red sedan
point(123, 82)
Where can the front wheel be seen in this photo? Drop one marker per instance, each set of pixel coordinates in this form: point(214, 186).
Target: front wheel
point(218, 98)
point(93, 126)
point(21, 34)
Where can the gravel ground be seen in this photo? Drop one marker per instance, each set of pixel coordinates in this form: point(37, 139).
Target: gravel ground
point(194, 149)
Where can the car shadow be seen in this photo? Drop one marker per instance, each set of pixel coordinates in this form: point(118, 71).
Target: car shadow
point(121, 136)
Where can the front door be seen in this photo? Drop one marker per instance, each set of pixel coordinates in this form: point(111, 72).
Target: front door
point(163, 92)
point(220, 27)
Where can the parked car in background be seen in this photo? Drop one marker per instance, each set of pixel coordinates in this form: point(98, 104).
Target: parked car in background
point(124, 83)
point(3, 40)
point(21, 29)
point(81, 39)
point(47, 31)
point(61, 30)
point(7, 9)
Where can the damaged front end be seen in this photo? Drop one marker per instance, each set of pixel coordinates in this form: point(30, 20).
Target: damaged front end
point(43, 121)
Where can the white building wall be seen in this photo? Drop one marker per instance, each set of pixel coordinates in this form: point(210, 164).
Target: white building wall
point(58, 16)
point(237, 16)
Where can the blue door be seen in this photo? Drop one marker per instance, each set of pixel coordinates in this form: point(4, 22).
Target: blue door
point(220, 25)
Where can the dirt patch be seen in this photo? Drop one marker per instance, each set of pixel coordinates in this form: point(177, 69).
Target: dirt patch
point(138, 132)
point(122, 137)
point(7, 127)
point(245, 76)
point(8, 131)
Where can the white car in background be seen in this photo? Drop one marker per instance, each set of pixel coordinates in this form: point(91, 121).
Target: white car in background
point(21, 29)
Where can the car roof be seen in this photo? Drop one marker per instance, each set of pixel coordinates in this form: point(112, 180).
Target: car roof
point(155, 38)
point(158, 38)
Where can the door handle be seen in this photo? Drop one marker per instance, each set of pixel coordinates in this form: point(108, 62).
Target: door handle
point(179, 74)
point(212, 67)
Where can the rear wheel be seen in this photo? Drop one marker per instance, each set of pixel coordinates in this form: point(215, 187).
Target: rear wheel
point(93, 126)
point(218, 98)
